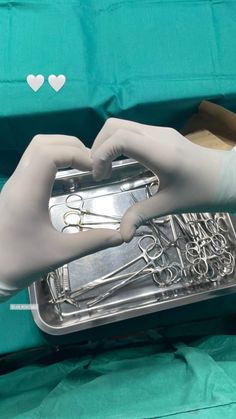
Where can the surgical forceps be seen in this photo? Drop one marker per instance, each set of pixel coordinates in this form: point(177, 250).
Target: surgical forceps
point(145, 254)
point(169, 272)
point(100, 282)
point(222, 265)
point(79, 207)
point(215, 243)
point(170, 277)
point(204, 249)
point(225, 264)
point(73, 218)
point(199, 234)
point(214, 224)
point(149, 259)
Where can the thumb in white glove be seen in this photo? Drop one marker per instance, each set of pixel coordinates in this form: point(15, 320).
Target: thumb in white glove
point(192, 178)
point(30, 246)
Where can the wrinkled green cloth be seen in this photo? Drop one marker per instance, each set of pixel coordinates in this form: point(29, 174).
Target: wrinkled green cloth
point(186, 380)
point(151, 61)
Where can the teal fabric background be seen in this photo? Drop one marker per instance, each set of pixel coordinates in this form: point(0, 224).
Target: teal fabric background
point(146, 379)
point(148, 60)
point(151, 61)
point(145, 60)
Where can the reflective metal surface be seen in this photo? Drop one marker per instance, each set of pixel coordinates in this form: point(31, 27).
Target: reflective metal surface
point(172, 261)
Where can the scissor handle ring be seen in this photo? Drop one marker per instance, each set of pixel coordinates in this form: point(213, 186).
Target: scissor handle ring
point(210, 222)
point(192, 252)
point(167, 280)
point(68, 214)
point(176, 271)
point(211, 274)
point(150, 246)
point(79, 198)
point(220, 238)
point(199, 264)
point(227, 264)
point(228, 257)
point(170, 276)
point(218, 243)
point(70, 226)
point(220, 220)
point(226, 270)
point(157, 254)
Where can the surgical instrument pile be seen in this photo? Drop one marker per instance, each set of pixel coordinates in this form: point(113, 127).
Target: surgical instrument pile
point(179, 249)
point(172, 260)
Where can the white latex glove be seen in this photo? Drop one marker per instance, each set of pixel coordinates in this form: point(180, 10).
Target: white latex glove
point(192, 178)
point(29, 244)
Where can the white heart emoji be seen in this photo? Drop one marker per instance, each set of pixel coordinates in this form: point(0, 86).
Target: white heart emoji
point(56, 82)
point(35, 82)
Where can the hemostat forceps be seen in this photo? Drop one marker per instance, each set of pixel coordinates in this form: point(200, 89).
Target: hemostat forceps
point(74, 217)
point(78, 205)
point(149, 259)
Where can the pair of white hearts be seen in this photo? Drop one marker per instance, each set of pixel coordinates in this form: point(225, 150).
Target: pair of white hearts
point(56, 82)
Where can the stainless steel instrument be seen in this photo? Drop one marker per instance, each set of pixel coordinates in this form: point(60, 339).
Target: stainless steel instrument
point(171, 261)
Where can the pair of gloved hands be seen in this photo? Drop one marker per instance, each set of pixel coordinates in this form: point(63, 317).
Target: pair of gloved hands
point(192, 178)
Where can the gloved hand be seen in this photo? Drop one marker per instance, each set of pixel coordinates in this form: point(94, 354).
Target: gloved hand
point(29, 244)
point(192, 178)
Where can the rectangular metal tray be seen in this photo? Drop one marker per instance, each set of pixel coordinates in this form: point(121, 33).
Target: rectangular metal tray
point(113, 196)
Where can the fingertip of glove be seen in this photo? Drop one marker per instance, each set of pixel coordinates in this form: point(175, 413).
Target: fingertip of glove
point(129, 223)
point(97, 176)
point(127, 233)
point(116, 238)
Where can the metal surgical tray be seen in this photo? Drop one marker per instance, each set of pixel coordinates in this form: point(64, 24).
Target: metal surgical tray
point(138, 298)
